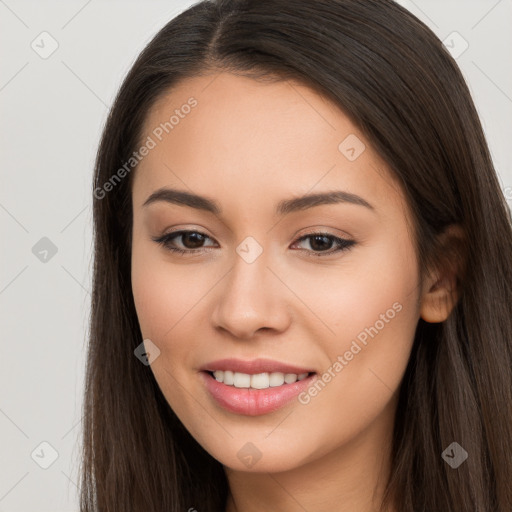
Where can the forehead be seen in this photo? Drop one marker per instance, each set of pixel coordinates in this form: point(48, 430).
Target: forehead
point(222, 132)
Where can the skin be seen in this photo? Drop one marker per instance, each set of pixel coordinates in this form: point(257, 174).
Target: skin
point(249, 145)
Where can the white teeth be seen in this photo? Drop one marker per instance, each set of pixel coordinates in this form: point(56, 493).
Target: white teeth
point(242, 380)
point(258, 380)
point(290, 378)
point(276, 379)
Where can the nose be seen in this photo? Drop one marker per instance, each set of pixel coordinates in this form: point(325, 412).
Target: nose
point(251, 299)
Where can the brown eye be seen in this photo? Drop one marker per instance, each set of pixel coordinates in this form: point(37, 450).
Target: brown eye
point(192, 241)
point(320, 243)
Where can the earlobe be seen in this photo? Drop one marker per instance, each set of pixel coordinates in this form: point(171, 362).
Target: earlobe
point(441, 290)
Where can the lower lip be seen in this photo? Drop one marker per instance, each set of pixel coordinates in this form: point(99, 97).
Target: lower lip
point(254, 402)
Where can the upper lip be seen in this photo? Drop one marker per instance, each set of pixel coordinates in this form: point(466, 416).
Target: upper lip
point(254, 366)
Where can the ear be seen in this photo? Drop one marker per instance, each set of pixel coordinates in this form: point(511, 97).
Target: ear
point(441, 288)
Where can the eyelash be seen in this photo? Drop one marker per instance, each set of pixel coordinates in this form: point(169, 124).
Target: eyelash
point(343, 244)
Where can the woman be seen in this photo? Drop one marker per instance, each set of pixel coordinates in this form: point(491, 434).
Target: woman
point(302, 281)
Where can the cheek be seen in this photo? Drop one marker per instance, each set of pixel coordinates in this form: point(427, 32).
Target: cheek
point(169, 300)
point(160, 291)
point(150, 291)
point(375, 315)
point(379, 309)
point(166, 300)
point(345, 296)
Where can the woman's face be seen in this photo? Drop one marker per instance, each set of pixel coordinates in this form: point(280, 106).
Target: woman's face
point(252, 284)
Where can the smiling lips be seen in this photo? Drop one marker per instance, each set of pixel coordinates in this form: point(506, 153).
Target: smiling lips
point(254, 387)
point(258, 380)
point(255, 366)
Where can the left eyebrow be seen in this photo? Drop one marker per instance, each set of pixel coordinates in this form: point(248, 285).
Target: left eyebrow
point(284, 207)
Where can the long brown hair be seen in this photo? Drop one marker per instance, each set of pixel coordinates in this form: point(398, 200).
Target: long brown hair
point(394, 79)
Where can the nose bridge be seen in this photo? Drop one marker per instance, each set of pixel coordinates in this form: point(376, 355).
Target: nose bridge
point(250, 298)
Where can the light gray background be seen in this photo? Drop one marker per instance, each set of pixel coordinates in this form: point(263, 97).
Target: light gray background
point(52, 113)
